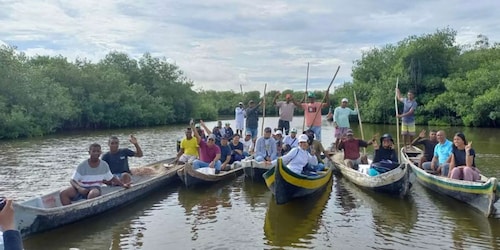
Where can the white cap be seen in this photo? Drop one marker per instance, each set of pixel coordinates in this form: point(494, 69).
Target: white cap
point(345, 100)
point(278, 132)
point(240, 103)
point(303, 138)
point(293, 130)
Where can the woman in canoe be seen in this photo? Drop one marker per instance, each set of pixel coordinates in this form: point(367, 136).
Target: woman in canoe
point(462, 163)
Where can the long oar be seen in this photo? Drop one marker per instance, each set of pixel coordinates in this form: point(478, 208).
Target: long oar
point(263, 110)
point(324, 97)
point(397, 119)
point(359, 120)
point(305, 97)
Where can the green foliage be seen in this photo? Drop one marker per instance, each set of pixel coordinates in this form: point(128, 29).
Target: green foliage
point(455, 85)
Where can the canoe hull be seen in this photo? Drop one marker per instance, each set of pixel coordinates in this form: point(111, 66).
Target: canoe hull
point(191, 177)
point(479, 195)
point(394, 182)
point(287, 185)
point(255, 170)
point(30, 219)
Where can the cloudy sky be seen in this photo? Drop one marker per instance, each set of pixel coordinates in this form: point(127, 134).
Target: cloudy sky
point(225, 44)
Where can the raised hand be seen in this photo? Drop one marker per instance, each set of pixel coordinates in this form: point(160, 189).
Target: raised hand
point(133, 140)
point(422, 133)
point(468, 146)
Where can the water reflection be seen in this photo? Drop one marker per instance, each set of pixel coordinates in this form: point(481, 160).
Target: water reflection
point(295, 223)
point(256, 193)
point(468, 228)
point(118, 229)
point(392, 217)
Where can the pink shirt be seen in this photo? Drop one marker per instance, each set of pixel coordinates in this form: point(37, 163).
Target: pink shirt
point(207, 154)
point(310, 110)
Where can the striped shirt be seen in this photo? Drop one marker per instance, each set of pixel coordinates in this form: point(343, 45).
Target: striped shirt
point(88, 176)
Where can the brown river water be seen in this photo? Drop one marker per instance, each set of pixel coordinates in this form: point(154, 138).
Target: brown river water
point(241, 214)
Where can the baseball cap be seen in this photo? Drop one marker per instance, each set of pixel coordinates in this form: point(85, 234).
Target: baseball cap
point(240, 103)
point(349, 132)
point(197, 125)
point(345, 100)
point(303, 138)
point(248, 133)
point(311, 95)
point(211, 136)
point(278, 132)
point(293, 130)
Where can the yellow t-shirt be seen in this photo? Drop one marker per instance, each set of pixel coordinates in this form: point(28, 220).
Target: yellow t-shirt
point(190, 146)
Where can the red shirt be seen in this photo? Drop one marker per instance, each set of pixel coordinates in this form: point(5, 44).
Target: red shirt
point(351, 148)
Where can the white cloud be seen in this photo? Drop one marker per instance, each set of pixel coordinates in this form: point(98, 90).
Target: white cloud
point(225, 44)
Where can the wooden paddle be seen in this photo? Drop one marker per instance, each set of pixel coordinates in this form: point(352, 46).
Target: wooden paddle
point(263, 110)
point(305, 97)
point(397, 119)
point(359, 120)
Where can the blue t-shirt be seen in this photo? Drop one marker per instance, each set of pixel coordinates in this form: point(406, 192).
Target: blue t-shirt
point(118, 162)
point(224, 152)
point(407, 106)
point(443, 151)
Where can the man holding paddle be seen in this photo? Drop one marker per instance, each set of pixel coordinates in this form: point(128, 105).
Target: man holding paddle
point(341, 120)
point(312, 112)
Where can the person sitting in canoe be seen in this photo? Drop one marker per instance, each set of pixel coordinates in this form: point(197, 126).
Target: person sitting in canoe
point(88, 177)
point(189, 148)
point(278, 137)
point(429, 144)
point(265, 147)
point(442, 153)
point(117, 158)
point(228, 131)
point(351, 146)
point(209, 151)
point(386, 157)
point(236, 149)
point(248, 144)
point(316, 148)
point(225, 153)
point(290, 141)
point(462, 163)
point(299, 158)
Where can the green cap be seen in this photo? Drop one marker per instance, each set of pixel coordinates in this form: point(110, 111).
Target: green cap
point(311, 95)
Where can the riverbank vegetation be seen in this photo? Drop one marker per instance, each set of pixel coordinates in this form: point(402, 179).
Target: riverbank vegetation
point(455, 85)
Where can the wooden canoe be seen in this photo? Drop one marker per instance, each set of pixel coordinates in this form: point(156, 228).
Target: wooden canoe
point(287, 185)
point(481, 194)
point(193, 177)
point(46, 212)
point(394, 182)
point(255, 170)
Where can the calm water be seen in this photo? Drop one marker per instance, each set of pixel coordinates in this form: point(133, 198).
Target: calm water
point(241, 214)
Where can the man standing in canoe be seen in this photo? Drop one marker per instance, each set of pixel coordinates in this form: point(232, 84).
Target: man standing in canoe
point(117, 158)
point(239, 118)
point(312, 112)
point(286, 109)
point(341, 119)
point(252, 115)
point(407, 117)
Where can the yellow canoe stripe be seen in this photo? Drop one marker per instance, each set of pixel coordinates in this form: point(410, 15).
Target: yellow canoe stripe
point(465, 189)
point(304, 182)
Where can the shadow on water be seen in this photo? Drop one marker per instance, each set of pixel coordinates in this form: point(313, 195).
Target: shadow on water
point(295, 224)
point(469, 228)
point(393, 217)
point(115, 229)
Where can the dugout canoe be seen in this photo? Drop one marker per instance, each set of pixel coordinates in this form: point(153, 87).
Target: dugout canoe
point(46, 212)
point(287, 185)
point(193, 177)
point(255, 170)
point(481, 194)
point(394, 182)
